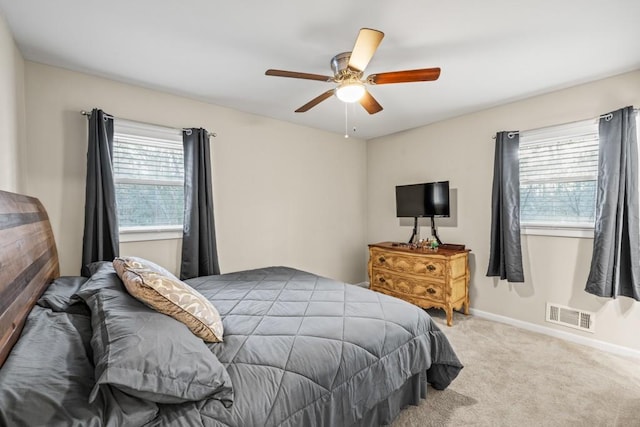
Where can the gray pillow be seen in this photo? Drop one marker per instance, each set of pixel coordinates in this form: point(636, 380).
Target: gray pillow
point(145, 353)
point(58, 295)
point(48, 376)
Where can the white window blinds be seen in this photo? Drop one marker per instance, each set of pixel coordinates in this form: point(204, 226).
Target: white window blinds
point(149, 176)
point(558, 175)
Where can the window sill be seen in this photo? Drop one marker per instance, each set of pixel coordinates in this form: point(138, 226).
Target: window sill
point(141, 234)
point(575, 232)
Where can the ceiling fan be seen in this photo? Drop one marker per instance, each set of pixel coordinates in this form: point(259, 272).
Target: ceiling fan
point(348, 69)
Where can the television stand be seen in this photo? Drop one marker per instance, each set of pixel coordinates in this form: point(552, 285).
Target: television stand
point(415, 235)
point(434, 231)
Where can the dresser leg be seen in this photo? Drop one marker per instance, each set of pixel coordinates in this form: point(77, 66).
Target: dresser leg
point(449, 311)
point(466, 305)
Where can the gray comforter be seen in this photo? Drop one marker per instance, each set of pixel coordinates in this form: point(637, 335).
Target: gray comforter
point(298, 350)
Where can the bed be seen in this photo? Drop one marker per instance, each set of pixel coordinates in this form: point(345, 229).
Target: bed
point(298, 349)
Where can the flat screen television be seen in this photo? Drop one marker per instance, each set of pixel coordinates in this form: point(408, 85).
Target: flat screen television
point(430, 199)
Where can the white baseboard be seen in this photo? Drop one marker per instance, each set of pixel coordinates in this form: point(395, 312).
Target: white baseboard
point(590, 342)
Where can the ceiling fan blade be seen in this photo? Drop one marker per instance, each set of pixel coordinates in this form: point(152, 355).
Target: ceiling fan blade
point(408, 76)
point(366, 45)
point(370, 104)
point(296, 75)
point(315, 101)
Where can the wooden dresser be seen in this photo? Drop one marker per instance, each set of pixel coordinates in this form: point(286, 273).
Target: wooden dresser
point(423, 277)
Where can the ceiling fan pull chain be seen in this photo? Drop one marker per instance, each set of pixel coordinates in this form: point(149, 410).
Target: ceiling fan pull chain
point(346, 120)
point(353, 114)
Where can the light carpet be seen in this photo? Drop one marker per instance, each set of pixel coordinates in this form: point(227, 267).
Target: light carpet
point(514, 377)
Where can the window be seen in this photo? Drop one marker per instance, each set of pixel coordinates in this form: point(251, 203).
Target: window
point(558, 176)
point(149, 179)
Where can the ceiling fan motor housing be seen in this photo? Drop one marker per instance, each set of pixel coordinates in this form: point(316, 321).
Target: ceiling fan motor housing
point(340, 62)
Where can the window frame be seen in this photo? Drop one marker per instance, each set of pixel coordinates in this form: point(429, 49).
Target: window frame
point(159, 136)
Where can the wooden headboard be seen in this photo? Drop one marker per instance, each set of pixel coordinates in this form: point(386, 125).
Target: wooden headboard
point(28, 263)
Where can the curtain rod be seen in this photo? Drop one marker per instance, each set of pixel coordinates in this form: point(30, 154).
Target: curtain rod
point(601, 116)
point(88, 114)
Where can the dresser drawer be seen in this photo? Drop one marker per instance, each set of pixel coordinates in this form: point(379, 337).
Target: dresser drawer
point(405, 286)
point(406, 263)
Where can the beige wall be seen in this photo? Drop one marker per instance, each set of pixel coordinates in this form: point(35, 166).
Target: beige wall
point(11, 110)
point(461, 150)
point(283, 194)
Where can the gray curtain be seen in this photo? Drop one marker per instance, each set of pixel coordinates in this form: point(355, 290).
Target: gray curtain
point(100, 241)
point(615, 264)
point(199, 251)
point(505, 256)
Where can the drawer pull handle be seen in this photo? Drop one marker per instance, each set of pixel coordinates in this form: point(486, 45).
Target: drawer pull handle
point(381, 259)
point(431, 267)
point(431, 291)
point(381, 280)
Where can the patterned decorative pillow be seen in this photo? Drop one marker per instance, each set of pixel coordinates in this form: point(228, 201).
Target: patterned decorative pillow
point(165, 293)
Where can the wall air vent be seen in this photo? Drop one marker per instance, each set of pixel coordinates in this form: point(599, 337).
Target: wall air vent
point(567, 316)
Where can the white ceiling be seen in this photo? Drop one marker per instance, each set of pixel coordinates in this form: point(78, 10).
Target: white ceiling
point(491, 52)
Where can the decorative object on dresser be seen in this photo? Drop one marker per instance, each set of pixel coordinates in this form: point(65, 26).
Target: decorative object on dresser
point(424, 277)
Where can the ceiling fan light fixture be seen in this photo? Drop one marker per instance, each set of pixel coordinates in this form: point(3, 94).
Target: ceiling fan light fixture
point(350, 92)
